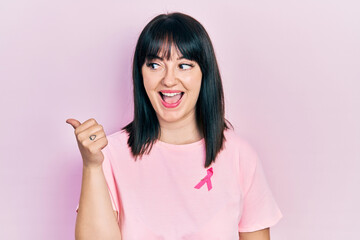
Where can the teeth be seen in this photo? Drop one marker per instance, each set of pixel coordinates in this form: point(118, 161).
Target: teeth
point(170, 94)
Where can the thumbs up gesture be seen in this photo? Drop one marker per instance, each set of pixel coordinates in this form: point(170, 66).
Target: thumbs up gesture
point(91, 139)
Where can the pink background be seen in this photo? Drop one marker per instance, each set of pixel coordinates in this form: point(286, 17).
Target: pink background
point(290, 69)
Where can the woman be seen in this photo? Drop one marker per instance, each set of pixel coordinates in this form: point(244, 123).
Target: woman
point(177, 171)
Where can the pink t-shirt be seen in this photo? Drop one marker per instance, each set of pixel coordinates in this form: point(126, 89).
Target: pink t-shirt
point(169, 195)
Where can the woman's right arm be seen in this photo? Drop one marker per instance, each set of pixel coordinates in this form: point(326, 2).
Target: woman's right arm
point(95, 218)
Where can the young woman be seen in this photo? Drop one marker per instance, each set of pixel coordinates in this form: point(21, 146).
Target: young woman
point(177, 171)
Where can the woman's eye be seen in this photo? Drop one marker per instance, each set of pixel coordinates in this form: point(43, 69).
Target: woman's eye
point(186, 66)
point(152, 65)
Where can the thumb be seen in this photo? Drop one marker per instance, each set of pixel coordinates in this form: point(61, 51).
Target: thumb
point(73, 122)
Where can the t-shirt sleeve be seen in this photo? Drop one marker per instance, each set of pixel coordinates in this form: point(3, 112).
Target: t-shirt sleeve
point(260, 209)
point(110, 179)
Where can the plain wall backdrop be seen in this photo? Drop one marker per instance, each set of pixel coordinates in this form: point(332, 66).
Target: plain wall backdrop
point(290, 71)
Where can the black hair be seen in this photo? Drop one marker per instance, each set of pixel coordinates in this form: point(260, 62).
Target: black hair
point(192, 40)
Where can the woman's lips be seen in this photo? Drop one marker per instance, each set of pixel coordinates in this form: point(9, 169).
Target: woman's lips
point(171, 105)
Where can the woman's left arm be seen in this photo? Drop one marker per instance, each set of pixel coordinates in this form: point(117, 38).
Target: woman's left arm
point(263, 234)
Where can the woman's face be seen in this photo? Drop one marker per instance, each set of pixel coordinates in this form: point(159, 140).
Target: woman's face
point(180, 79)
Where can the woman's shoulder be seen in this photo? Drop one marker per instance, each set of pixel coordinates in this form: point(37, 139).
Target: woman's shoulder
point(117, 148)
point(238, 141)
point(233, 137)
point(118, 138)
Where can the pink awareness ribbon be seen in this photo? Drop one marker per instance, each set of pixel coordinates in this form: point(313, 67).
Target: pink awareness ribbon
point(206, 180)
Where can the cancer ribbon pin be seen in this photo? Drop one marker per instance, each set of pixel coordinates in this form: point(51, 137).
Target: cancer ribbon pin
point(206, 180)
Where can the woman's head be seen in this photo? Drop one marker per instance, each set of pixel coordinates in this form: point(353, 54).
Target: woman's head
point(178, 76)
point(155, 68)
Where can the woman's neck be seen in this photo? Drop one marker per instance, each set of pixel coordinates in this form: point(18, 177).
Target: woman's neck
point(184, 131)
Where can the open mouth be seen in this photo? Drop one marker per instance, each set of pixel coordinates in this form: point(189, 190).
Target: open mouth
point(171, 99)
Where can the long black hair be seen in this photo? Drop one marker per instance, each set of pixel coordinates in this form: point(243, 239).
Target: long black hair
point(194, 43)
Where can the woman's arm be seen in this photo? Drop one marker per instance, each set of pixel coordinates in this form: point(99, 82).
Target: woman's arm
point(263, 234)
point(95, 218)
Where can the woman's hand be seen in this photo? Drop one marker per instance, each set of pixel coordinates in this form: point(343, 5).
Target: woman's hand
point(90, 149)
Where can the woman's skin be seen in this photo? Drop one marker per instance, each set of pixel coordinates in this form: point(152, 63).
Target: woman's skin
point(178, 125)
point(263, 234)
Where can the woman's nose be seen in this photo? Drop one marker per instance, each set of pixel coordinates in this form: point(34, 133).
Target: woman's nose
point(169, 79)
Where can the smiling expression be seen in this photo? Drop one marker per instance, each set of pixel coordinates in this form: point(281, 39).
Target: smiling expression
point(174, 75)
